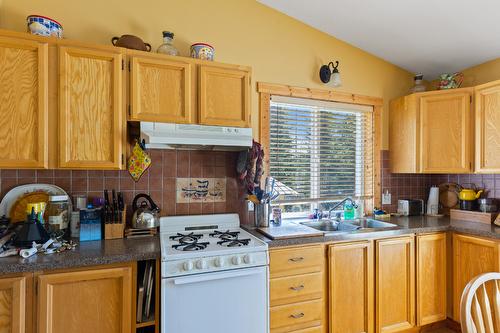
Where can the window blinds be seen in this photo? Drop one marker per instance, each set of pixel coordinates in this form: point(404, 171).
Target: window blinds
point(322, 151)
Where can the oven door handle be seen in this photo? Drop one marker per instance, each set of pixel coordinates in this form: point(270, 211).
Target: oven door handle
point(215, 276)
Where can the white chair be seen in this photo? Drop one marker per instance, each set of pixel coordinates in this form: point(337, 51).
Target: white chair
point(478, 313)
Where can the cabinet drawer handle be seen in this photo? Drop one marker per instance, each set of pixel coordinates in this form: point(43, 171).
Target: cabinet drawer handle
point(296, 259)
point(298, 288)
point(297, 316)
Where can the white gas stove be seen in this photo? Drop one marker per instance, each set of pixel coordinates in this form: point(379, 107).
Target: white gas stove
point(212, 269)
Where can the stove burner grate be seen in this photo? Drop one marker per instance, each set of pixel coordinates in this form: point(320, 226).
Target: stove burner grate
point(234, 242)
point(190, 246)
point(226, 235)
point(186, 238)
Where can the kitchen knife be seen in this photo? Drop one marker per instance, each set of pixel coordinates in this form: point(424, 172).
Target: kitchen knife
point(107, 207)
point(121, 206)
point(115, 206)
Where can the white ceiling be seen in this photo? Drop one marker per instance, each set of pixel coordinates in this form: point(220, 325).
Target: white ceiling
point(428, 37)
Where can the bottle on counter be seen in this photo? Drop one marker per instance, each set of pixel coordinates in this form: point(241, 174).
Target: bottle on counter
point(167, 47)
point(58, 215)
point(349, 210)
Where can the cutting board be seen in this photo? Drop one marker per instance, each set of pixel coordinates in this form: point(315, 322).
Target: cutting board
point(288, 231)
point(472, 216)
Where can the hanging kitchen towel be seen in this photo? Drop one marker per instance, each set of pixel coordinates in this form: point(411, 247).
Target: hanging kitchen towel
point(138, 162)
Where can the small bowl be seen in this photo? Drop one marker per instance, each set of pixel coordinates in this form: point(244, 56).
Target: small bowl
point(44, 26)
point(202, 51)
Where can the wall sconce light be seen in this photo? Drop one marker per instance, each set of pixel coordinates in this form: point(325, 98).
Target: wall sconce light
point(326, 74)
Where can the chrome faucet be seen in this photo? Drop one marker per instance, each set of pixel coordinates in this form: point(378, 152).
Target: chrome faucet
point(340, 204)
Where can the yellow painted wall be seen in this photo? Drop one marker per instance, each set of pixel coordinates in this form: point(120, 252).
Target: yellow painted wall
point(279, 48)
point(485, 72)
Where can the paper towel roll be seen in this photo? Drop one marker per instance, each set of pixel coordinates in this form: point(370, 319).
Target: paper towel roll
point(433, 201)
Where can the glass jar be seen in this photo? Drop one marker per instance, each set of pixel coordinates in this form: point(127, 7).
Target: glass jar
point(419, 84)
point(167, 47)
point(58, 215)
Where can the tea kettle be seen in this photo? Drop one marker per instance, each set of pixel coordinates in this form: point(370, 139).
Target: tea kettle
point(468, 194)
point(146, 212)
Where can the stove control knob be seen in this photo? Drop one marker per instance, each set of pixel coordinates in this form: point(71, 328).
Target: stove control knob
point(248, 259)
point(219, 262)
point(201, 264)
point(188, 265)
point(236, 260)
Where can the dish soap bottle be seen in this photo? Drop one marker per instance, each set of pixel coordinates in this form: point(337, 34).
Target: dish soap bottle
point(348, 210)
point(167, 47)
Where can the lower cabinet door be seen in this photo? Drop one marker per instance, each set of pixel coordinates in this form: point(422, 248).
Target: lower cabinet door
point(351, 287)
point(431, 278)
point(395, 284)
point(88, 301)
point(13, 304)
point(472, 256)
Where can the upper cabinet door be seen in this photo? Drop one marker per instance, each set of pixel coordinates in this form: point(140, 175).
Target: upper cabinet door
point(90, 111)
point(224, 96)
point(445, 132)
point(160, 90)
point(23, 104)
point(487, 99)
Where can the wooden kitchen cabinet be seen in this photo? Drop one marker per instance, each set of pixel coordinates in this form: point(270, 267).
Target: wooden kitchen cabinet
point(471, 256)
point(160, 90)
point(95, 300)
point(431, 278)
point(394, 284)
point(24, 103)
point(297, 289)
point(431, 132)
point(224, 96)
point(487, 127)
point(351, 287)
point(91, 121)
point(13, 303)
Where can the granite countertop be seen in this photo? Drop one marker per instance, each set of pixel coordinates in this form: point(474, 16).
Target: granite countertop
point(90, 253)
point(406, 225)
point(126, 250)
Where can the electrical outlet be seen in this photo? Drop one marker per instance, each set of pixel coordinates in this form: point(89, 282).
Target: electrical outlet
point(250, 206)
point(386, 198)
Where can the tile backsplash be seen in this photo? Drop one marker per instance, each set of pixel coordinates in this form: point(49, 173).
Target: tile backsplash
point(416, 186)
point(159, 181)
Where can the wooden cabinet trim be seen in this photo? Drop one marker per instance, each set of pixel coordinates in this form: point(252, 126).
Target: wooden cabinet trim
point(18, 302)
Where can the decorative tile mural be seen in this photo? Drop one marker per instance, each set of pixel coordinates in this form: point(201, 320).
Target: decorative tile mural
point(191, 190)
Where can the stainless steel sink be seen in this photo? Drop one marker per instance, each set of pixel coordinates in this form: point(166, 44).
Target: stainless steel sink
point(336, 227)
point(371, 224)
point(331, 226)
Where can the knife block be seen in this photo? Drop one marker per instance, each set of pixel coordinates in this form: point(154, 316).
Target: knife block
point(116, 229)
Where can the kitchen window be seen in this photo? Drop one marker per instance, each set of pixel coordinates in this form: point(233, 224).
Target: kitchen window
point(320, 152)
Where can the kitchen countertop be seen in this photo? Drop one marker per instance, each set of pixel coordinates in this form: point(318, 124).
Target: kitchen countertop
point(90, 253)
point(126, 250)
point(407, 225)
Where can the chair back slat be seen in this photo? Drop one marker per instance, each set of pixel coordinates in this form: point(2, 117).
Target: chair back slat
point(486, 310)
point(477, 314)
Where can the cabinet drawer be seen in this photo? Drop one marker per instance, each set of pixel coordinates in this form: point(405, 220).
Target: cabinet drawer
point(296, 288)
point(296, 261)
point(296, 316)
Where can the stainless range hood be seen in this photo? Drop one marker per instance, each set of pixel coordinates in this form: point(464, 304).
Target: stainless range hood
point(195, 137)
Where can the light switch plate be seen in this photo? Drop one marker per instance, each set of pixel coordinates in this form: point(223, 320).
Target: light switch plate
point(250, 206)
point(386, 198)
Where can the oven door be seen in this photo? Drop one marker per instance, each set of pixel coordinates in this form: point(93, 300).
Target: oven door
point(222, 302)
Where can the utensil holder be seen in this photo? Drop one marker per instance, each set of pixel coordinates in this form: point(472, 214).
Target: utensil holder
point(261, 215)
point(115, 229)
